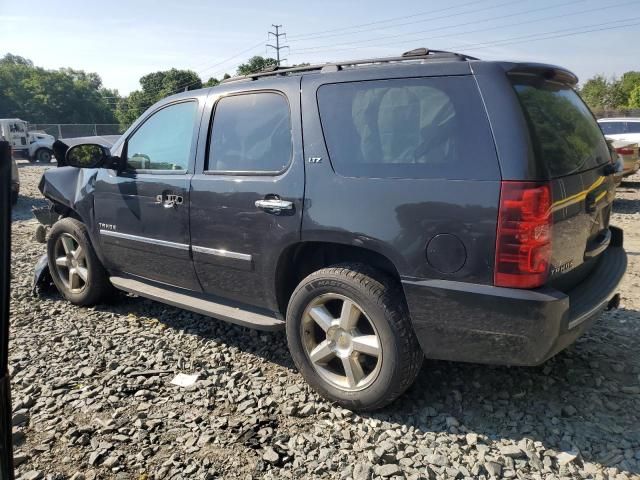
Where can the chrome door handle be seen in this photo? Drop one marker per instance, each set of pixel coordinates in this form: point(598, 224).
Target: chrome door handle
point(274, 204)
point(169, 201)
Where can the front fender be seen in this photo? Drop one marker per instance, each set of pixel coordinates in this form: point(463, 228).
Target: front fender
point(70, 187)
point(33, 147)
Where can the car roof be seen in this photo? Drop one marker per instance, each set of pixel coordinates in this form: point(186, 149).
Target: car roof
point(419, 56)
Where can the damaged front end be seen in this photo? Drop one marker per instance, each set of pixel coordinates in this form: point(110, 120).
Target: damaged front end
point(69, 192)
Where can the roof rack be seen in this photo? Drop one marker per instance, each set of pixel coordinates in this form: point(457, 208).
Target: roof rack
point(412, 55)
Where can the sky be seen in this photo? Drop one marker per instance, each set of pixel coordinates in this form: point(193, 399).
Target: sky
point(124, 40)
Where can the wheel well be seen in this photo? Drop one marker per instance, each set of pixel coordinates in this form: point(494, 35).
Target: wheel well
point(302, 259)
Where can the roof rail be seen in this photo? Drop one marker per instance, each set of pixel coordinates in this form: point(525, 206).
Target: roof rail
point(412, 55)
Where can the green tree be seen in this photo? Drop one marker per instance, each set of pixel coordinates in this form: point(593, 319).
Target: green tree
point(597, 92)
point(256, 64)
point(51, 96)
point(627, 84)
point(634, 97)
point(155, 86)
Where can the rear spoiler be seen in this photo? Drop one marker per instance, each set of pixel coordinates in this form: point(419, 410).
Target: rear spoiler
point(548, 72)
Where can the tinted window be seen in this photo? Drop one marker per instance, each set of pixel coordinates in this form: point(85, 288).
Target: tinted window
point(612, 128)
point(163, 142)
point(408, 128)
point(633, 127)
point(565, 136)
point(251, 133)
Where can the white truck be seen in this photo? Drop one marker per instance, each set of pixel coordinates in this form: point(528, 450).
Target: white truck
point(36, 146)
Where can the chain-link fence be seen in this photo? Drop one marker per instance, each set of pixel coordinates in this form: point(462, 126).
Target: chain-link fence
point(73, 130)
point(627, 112)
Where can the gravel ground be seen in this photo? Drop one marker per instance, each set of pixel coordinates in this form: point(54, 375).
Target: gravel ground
point(93, 399)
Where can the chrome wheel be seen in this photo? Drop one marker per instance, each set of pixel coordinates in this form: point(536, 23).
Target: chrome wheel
point(341, 342)
point(71, 263)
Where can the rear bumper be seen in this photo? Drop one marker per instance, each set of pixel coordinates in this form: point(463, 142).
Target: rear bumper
point(485, 324)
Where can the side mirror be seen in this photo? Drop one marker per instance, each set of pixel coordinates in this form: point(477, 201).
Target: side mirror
point(88, 155)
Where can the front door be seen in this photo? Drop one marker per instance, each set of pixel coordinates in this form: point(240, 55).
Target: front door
point(246, 195)
point(143, 212)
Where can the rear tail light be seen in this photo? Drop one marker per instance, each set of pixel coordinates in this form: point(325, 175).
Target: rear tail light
point(624, 151)
point(523, 241)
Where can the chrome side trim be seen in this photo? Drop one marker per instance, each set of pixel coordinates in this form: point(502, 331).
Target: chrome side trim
point(182, 246)
point(150, 241)
point(222, 253)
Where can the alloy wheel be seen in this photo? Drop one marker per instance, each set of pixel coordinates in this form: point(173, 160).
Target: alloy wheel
point(341, 342)
point(71, 263)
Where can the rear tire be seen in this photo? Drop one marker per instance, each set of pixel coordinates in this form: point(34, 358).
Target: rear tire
point(379, 337)
point(75, 269)
point(44, 155)
point(14, 197)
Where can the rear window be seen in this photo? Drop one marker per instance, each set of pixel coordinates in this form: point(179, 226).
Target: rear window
point(566, 138)
point(408, 128)
point(612, 128)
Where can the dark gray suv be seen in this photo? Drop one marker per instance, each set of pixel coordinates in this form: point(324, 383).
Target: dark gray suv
point(378, 210)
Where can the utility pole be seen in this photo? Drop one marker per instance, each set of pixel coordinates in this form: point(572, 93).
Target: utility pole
point(277, 46)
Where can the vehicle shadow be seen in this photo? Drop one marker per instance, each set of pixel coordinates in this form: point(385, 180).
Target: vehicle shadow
point(22, 209)
point(587, 398)
point(629, 184)
point(271, 346)
point(626, 205)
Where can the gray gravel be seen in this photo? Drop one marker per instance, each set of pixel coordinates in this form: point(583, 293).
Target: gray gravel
point(93, 399)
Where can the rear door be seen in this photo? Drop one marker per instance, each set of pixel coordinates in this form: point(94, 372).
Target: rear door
point(247, 193)
point(570, 147)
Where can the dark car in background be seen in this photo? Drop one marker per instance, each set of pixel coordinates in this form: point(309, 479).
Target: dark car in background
point(378, 210)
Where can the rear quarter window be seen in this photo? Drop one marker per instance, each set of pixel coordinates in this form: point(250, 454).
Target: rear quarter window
point(408, 128)
point(566, 137)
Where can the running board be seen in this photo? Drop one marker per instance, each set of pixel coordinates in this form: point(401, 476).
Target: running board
point(227, 313)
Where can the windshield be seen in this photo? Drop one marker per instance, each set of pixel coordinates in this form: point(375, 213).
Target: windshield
point(565, 136)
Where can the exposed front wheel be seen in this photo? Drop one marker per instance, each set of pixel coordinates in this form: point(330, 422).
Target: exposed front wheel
point(44, 155)
point(74, 266)
point(351, 338)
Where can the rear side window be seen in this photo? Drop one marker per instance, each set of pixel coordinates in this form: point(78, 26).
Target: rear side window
point(633, 127)
point(251, 133)
point(565, 136)
point(612, 128)
point(408, 128)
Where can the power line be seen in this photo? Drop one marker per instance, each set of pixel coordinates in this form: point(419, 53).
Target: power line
point(393, 19)
point(485, 29)
point(553, 34)
point(473, 22)
point(148, 96)
point(450, 15)
point(277, 47)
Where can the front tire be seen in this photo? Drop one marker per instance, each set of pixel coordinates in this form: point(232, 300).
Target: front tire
point(350, 335)
point(74, 266)
point(44, 155)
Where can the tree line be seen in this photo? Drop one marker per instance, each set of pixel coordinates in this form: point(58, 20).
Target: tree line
point(623, 93)
point(66, 95)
